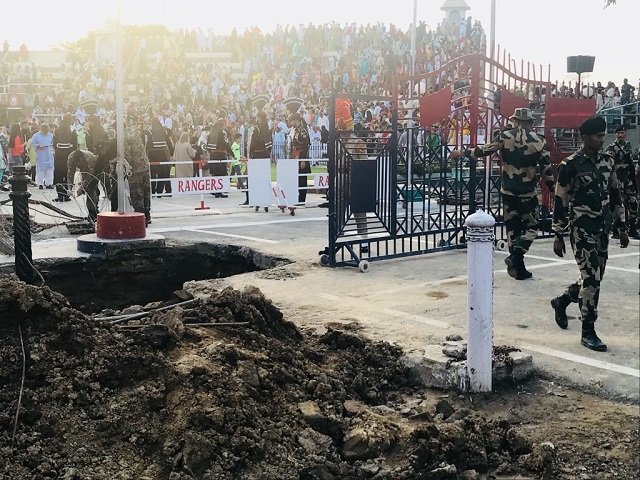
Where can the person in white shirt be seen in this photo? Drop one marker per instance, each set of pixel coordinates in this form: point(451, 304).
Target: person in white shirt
point(323, 120)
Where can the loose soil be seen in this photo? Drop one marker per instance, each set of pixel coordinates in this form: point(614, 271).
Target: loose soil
point(164, 398)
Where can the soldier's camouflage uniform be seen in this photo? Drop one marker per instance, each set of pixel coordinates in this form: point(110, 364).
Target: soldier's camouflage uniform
point(620, 150)
point(586, 204)
point(525, 158)
point(89, 179)
point(140, 179)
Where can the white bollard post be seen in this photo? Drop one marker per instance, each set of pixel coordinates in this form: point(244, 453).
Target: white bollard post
point(480, 238)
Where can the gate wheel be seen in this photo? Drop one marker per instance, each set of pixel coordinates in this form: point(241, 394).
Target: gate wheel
point(363, 266)
point(502, 245)
point(324, 260)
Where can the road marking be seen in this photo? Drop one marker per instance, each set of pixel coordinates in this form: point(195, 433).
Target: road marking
point(558, 262)
point(621, 269)
point(622, 255)
point(244, 237)
point(612, 367)
point(550, 259)
point(416, 318)
point(237, 224)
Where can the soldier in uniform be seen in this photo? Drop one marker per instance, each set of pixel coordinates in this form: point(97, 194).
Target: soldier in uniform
point(140, 179)
point(157, 149)
point(587, 194)
point(300, 143)
point(260, 143)
point(524, 159)
point(65, 141)
point(95, 133)
point(219, 151)
point(620, 150)
point(86, 162)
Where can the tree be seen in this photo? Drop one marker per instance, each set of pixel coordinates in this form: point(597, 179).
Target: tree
point(610, 2)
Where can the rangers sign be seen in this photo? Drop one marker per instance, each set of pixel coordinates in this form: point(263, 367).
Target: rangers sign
point(196, 185)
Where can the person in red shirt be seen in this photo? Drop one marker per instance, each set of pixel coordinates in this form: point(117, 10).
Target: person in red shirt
point(16, 147)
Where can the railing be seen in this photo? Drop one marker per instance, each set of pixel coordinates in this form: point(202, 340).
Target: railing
point(282, 149)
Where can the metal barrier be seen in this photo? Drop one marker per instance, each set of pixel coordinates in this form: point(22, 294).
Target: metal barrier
point(263, 189)
point(317, 151)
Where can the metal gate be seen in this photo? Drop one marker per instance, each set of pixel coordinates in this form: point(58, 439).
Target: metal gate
point(390, 199)
point(397, 192)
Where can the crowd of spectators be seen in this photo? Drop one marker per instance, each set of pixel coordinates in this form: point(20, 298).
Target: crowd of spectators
point(192, 90)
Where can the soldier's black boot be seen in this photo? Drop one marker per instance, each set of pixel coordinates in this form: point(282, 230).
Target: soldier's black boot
point(590, 338)
point(511, 266)
point(559, 305)
point(523, 269)
point(515, 266)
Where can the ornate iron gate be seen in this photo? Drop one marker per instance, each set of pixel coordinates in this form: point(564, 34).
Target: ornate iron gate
point(397, 192)
point(390, 196)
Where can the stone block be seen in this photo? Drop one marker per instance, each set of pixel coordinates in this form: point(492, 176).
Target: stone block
point(433, 369)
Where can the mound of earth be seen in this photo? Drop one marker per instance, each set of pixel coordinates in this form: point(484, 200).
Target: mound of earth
point(224, 387)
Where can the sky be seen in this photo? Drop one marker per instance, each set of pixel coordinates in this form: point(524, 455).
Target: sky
point(540, 31)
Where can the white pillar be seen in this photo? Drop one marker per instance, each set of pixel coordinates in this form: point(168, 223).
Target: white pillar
point(480, 238)
point(120, 113)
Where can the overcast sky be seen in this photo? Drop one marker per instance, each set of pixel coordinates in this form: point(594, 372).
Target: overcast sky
point(540, 31)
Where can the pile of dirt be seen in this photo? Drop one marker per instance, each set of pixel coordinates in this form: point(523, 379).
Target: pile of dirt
point(249, 398)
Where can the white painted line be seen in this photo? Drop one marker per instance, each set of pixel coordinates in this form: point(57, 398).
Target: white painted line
point(328, 296)
point(537, 257)
point(612, 367)
point(621, 269)
point(243, 237)
point(550, 259)
point(547, 265)
point(52, 241)
point(416, 318)
point(446, 280)
point(558, 262)
point(622, 255)
point(237, 224)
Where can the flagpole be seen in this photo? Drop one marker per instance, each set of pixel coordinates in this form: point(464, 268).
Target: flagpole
point(120, 114)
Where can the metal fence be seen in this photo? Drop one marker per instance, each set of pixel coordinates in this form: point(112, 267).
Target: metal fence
point(282, 149)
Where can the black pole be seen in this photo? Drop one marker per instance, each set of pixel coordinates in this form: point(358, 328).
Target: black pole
point(21, 224)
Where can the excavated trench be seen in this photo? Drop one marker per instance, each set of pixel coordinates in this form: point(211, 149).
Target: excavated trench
point(95, 283)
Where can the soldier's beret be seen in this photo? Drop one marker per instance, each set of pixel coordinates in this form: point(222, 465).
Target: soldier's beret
point(593, 125)
point(621, 128)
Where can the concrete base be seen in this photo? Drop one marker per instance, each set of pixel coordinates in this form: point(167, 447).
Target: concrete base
point(101, 246)
point(434, 369)
point(121, 226)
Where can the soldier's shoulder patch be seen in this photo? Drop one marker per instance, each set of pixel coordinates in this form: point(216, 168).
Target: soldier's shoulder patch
point(573, 157)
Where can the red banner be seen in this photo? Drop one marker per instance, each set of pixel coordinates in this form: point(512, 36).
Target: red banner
point(435, 107)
